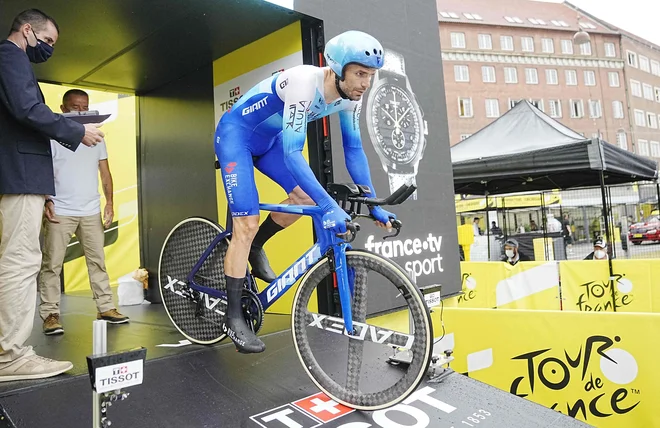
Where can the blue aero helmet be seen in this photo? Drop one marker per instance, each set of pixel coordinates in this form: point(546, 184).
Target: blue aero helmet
point(353, 47)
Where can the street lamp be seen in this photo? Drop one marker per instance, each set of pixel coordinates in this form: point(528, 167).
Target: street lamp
point(581, 37)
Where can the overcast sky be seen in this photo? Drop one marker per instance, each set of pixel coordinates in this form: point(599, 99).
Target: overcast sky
point(640, 17)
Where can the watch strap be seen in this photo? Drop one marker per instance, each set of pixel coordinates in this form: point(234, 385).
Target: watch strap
point(394, 62)
point(398, 180)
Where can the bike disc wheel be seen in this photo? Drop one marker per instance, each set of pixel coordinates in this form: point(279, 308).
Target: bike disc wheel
point(183, 248)
point(389, 313)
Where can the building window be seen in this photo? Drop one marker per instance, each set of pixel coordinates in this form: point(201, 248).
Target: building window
point(585, 49)
point(651, 120)
point(485, 41)
point(449, 15)
point(527, 44)
point(589, 78)
point(458, 40)
point(465, 107)
point(648, 91)
point(492, 108)
point(536, 21)
point(655, 68)
point(613, 77)
point(640, 119)
point(551, 76)
point(465, 136)
point(644, 64)
point(537, 103)
point(506, 43)
point(632, 59)
point(559, 23)
point(473, 16)
point(610, 50)
point(657, 94)
point(595, 109)
point(577, 109)
point(643, 148)
point(635, 88)
point(567, 47)
point(510, 75)
point(617, 109)
point(488, 74)
point(548, 45)
point(461, 73)
point(555, 108)
point(513, 19)
point(571, 77)
point(622, 139)
point(655, 149)
point(531, 76)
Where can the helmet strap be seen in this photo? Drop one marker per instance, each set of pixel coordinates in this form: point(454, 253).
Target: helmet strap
point(341, 93)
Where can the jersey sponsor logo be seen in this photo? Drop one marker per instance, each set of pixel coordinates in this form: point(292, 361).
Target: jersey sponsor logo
point(239, 213)
point(283, 83)
point(231, 180)
point(297, 116)
point(256, 106)
point(230, 167)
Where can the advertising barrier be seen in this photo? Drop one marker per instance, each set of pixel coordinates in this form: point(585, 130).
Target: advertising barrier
point(597, 367)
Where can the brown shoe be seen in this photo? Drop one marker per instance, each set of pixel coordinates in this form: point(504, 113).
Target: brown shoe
point(52, 325)
point(32, 367)
point(112, 316)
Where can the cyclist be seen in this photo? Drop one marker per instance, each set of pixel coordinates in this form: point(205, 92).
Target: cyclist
point(266, 129)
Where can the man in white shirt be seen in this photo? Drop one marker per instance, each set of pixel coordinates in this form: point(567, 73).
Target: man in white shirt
point(76, 208)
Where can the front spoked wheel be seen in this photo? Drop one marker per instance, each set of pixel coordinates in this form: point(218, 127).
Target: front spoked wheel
point(355, 370)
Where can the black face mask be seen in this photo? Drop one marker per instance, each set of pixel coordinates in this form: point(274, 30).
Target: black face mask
point(39, 53)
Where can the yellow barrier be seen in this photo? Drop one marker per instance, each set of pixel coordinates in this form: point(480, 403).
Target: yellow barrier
point(600, 368)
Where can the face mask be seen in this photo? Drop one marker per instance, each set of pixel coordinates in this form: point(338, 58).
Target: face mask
point(600, 254)
point(509, 253)
point(39, 53)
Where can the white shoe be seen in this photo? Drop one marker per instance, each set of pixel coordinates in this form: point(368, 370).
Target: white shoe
point(32, 367)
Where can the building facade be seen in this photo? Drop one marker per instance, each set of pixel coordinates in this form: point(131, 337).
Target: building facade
point(496, 54)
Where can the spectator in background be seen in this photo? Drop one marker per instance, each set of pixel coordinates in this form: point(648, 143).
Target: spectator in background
point(495, 230)
point(600, 250)
point(512, 254)
point(77, 208)
point(532, 226)
point(26, 175)
point(567, 234)
point(475, 226)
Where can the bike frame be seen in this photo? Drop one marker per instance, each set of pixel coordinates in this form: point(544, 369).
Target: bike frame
point(327, 243)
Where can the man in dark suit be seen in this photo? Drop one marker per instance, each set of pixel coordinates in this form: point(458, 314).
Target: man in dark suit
point(26, 176)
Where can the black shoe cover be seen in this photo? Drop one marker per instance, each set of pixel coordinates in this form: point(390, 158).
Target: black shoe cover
point(260, 266)
point(245, 340)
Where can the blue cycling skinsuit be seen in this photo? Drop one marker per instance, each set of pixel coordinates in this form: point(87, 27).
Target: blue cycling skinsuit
point(266, 128)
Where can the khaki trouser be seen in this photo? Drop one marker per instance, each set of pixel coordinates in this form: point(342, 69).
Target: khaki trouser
point(20, 256)
point(57, 236)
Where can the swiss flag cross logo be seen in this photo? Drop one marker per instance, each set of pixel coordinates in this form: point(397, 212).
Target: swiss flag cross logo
point(322, 407)
point(124, 369)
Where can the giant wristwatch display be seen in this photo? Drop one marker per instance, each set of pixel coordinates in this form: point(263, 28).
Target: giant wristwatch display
point(395, 122)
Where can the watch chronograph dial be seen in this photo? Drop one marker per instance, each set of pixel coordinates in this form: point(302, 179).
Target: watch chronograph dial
point(395, 123)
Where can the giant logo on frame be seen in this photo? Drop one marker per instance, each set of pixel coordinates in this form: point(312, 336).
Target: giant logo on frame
point(602, 393)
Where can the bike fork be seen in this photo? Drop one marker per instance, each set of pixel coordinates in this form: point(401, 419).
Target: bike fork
point(340, 272)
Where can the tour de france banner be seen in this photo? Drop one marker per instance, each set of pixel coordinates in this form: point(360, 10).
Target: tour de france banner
point(527, 285)
point(233, 75)
point(586, 285)
point(600, 368)
point(122, 245)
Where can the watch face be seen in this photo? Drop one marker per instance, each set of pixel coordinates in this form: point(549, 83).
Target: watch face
point(395, 124)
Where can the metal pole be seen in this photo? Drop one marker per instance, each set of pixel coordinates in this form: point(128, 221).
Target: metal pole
point(657, 194)
point(487, 227)
point(99, 346)
point(607, 236)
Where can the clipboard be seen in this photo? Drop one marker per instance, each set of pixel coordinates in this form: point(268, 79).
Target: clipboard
point(85, 117)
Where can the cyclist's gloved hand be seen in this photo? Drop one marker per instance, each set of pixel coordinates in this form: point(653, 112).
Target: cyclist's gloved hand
point(382, 215)
point(335, 219)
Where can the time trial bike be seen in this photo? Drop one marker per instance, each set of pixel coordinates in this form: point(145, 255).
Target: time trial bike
point(351, 310)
